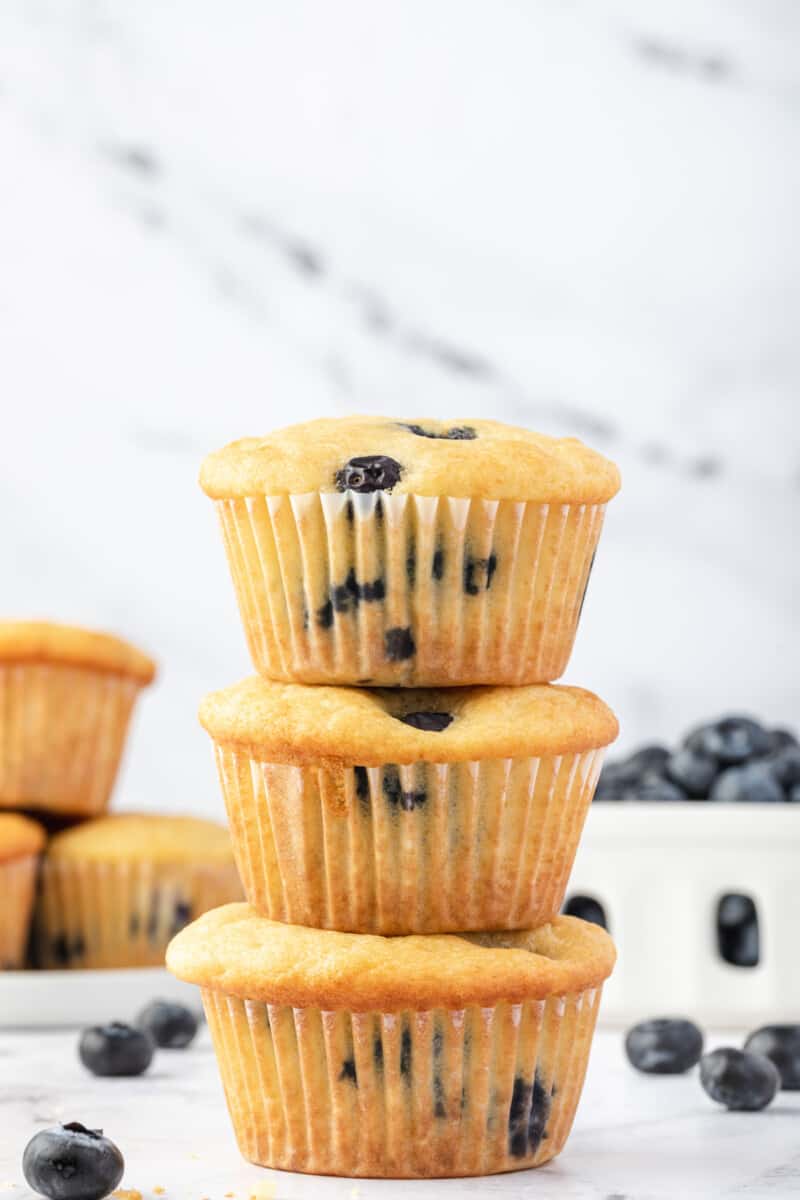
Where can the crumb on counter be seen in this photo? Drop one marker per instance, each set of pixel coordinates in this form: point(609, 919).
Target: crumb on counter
point(126, 1194)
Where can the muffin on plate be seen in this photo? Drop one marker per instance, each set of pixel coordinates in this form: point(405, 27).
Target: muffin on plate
point(443, 1055)
point(406, 810)
point(21, 841)
point(113, 891)
point(66, 696)
point(406, 552)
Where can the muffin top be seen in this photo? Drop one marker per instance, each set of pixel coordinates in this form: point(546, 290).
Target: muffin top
point(231, 949)
point(143, 837)
point(19, 836)
point(485, 459)
point(44, 642)
point(292, 723)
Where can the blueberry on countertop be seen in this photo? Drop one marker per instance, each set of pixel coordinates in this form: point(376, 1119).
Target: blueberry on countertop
point(70, 1162)
point(115, 1049)
point(730, 740)
point(429, 722)
point(664, 1046)
point(754, 783)
point(741, 1081)
point(781, 1045)
point(171, 1026)
point(370, 473)
point(691, 771)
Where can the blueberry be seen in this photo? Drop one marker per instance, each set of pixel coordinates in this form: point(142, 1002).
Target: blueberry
point(616, 778)
point(70, 1162)
point(457, 433)
point(652, 789)
point(170, 1025)
point(754, 783)
point(399, 644)
point(649, 759)
point(780, 739)
point(371, 473)
point(785, 766)
point(741, 1081)
point(527, 1117)
point(664, 1046)
point(781, 1045)
point(478, 574)
point(115, 1049)
point(428, 722)
point(691, 771)
point(348, 1071)
point(588, 909)
point(730, 741)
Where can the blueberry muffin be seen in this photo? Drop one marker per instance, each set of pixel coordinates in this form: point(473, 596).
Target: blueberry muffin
point(113, 891)
point(406, 810)
point(410, 552)
point(350, 1054)
point(21, 841)
point(66, 697)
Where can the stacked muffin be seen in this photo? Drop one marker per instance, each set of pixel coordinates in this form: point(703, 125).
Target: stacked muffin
point(406, 791)
point(112, 889)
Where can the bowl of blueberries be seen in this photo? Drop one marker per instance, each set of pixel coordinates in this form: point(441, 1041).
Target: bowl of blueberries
point(690, 859)
point(732, 760)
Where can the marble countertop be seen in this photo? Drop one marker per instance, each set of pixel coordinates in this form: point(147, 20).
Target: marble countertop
point(635, 1138)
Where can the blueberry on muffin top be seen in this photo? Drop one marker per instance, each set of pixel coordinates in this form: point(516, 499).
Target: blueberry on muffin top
point(481, 459)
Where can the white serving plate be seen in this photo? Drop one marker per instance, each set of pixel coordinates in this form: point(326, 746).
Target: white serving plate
point(43, 999)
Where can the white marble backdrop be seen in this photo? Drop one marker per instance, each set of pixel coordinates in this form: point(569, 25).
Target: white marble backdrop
point(217, 219)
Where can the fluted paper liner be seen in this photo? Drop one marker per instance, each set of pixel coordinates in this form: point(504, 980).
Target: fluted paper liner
point(91, 915)
point(412, 1094)
point(424, 848)
point(409, 590)
point(62, 732)
point(17, 885)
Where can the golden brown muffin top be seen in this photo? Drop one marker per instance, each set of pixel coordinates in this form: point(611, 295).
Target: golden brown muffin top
point(231, 949)
point(484, 459)
point(295, 723)
point(19, 836)
point(144, 837)
point(45, 642)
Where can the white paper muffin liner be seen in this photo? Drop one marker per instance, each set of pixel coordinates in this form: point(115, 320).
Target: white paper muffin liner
point(412, 1094)
point(409, 590)
point(17, 887)
point(424, 848)
point(62, 733)
point(90, 915)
